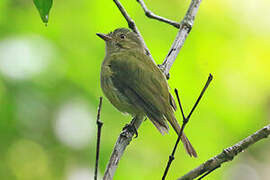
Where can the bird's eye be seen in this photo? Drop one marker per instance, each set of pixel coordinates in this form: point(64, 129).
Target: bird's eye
point(122, 36)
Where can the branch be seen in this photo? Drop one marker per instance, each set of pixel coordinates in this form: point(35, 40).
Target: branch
point(227, 154)
point(185, 28)
point(99, 125)
point(151, 15)
point(123, 140)
point(185, 121)
point(132, 25)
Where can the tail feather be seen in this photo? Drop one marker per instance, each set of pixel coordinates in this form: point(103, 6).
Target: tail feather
point(188, 147)
point(161, 128)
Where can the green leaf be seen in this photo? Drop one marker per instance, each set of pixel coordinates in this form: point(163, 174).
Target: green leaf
point(44, 7)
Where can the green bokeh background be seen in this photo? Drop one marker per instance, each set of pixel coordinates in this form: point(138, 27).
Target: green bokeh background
point(49, 89)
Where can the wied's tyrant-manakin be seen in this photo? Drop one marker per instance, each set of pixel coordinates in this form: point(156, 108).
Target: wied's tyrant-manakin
point(135, 85)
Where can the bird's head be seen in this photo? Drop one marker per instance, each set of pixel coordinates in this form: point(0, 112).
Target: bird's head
point(121, 39)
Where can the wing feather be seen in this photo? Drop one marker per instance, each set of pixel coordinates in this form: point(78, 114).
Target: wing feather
point(141, 81)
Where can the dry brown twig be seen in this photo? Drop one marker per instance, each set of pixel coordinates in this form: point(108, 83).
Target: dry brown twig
point(184, 28)
point(152, 15)
point(227, 154)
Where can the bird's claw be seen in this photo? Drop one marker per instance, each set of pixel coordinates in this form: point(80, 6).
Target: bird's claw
point(130, 127)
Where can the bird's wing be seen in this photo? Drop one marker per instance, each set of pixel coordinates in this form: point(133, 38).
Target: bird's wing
point(141, 81)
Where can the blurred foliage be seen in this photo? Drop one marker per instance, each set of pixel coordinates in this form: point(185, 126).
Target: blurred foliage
point(49, 89)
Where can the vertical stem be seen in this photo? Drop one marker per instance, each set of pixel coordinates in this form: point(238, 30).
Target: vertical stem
point(99, 126)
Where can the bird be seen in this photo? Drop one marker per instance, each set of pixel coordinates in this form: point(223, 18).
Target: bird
point(134, 84)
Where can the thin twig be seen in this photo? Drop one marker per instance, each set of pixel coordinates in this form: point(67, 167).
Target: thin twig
point(185, 28)
point(210, 78)
point(185, 121)
point(132, 25)
point(227, 154)
point(99, 126)
point(203, 176)
point(151, 15)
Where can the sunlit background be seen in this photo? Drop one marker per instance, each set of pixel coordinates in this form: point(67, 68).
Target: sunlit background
point(49, 89)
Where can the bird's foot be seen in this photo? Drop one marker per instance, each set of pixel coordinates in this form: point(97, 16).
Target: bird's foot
point(130, 127)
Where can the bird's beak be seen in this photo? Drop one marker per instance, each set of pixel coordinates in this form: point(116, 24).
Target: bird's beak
point(105, 37)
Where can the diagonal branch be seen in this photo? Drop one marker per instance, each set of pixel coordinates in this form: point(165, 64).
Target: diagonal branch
point(185, 28)
point(123, 140)
point(185, 121)
point(151, 15)
point(227, 154)
point(132, 25)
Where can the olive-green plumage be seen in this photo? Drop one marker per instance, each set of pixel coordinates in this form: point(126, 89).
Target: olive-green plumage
point(135, 85)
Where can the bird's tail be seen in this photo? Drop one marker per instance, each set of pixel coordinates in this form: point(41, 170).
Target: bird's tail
point(188, 147)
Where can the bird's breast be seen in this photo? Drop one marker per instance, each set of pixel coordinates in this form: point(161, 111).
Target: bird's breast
point(118, 100)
